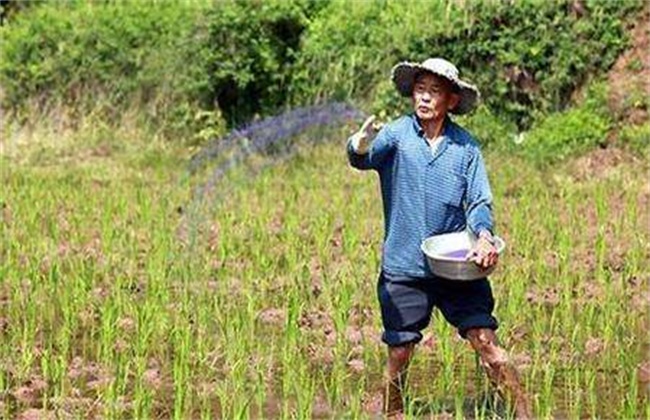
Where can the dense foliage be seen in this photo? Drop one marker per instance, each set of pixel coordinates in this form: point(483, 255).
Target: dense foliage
point(575, 130)
point(69, 53)
point(194, 69)
point(524, 55)
point(247, 51)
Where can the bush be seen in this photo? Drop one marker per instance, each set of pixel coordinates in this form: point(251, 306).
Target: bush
point(107, 59)
point(489, 129)
point(247, 54)
point(350, 46)
point(522, 55)
point(570, 132)
point(198, 68)
point(181, 63)
point(74, 53)
point(528, 57)
point(9, 8)
point(637, 138)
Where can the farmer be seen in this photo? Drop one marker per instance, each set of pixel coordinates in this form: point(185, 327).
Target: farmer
point(433, 181)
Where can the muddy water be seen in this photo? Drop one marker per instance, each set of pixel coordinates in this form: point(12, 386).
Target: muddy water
point(569, 398)
point(570, 395)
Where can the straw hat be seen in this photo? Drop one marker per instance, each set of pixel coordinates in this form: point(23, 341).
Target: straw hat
point(404, 73)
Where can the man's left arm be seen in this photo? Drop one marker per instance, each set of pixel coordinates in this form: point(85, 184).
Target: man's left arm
point(479, 196)
point(479, 212)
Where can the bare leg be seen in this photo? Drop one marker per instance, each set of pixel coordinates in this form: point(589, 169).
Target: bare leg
point(398, 359)
point(500, 370)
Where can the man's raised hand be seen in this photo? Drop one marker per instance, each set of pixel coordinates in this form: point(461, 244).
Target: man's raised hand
point(361, 139)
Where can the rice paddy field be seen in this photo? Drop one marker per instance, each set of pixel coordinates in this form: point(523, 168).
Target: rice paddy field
point(123, 295)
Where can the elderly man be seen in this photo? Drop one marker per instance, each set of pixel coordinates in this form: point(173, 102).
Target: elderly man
point(433, 181)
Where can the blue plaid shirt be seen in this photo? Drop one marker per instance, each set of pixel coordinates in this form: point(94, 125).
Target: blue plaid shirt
point(425, 193)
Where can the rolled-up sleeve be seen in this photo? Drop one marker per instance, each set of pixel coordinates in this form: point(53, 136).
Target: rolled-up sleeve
point(381, 148)
point(479, 195)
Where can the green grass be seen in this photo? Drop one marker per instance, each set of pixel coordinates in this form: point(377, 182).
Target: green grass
point(114, 300)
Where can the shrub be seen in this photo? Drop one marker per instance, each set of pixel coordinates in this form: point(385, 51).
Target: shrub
point(489, 129)
point(529, 57)
point(76, 52)
point(350, 46)
point(247, 54)
point(566, 133)
point(637, 138)
point(199, 68)
point(181, 63)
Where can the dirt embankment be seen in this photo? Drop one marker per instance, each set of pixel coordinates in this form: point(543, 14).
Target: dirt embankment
point(629, 78)
point(628, 100)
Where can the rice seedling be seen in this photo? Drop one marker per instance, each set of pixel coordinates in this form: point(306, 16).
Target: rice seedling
point(108, 310)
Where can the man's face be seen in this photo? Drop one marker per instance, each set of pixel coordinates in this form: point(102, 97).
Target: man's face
point(433, 97)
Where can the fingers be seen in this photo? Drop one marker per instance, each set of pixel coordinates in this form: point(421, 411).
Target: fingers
point(371, 126)
point(485, 256)
point(489, 260)
point(367, 123)
point(483, 261)
point(473, 256)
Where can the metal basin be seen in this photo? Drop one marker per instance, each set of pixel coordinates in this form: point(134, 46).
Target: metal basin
point(446, 259)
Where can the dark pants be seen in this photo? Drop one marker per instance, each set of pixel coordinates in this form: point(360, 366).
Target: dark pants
point(407, 304)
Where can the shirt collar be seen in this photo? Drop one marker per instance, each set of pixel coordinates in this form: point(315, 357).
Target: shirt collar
point(446, 128)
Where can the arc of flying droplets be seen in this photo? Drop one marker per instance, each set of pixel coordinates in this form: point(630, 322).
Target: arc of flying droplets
point(267, 132)
point(264, 137)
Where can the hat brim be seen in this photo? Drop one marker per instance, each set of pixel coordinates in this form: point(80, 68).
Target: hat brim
point(403, 75)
